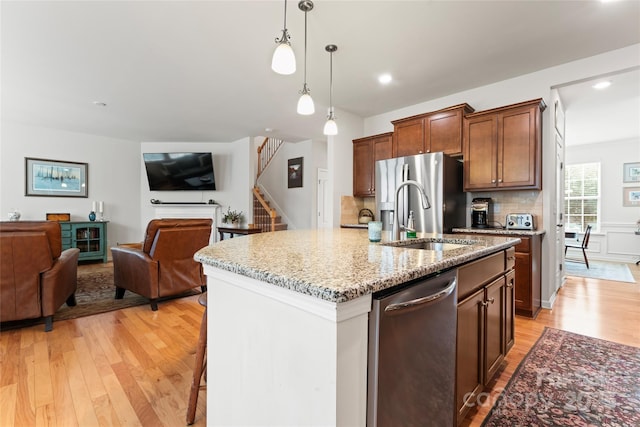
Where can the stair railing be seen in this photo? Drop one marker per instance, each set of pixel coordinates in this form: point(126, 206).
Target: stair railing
point(266, 151)
point(266, 222)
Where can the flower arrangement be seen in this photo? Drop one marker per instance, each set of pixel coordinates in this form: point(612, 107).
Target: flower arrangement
point(232, 216)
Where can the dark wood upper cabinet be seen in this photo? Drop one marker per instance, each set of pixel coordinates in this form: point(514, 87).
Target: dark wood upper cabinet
point(366, 152)
point(430, 132)
point(503, 148)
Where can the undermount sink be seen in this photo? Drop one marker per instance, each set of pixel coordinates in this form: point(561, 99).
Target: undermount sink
point(435, 246)
point(430, 245)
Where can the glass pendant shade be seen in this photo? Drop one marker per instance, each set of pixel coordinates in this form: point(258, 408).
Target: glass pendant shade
point(305, 105)
point(284, 60)
point(331, 127)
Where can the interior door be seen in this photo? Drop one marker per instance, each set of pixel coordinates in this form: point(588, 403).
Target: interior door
point(558, 207)
point(324, 216)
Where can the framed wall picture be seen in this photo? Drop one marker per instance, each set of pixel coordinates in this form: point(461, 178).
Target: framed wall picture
point(294, 172)
point(631, 196)
point(632, 172)
point(55, 178)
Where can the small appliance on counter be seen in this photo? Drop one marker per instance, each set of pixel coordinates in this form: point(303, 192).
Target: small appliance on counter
point(480, 212)
point(520, 221)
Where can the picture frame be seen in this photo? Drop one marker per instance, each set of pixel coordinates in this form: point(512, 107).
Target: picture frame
point(631, 196)
point(632, 172)
point(295, 172)
point(56, 178)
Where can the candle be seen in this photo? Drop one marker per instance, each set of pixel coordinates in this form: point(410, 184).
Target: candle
point(101, 206)
point(93, 206)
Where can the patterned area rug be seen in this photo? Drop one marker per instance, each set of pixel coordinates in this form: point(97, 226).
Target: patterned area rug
point(95, 294)
point(600, 270)
point(568, 379)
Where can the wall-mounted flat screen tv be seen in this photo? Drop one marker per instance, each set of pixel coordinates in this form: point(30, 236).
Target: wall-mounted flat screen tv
point(180, 171)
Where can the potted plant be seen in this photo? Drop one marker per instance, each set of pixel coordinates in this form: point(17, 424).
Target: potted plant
point(233, 217)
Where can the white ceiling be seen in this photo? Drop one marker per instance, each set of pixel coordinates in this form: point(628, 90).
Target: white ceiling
point(610, 114)
point(200, 70)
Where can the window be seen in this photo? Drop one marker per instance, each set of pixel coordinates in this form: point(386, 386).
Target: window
point(582, 196)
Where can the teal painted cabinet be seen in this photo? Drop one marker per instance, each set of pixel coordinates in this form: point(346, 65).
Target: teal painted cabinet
point(88, 236)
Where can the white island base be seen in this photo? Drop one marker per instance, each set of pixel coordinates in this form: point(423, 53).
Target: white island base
point(277, 357)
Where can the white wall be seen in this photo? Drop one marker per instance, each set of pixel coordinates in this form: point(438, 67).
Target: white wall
point(522, 88)
point(615, 239)
point(232, 171)
point(113, 169)
point(297, 206)
point(340, 159)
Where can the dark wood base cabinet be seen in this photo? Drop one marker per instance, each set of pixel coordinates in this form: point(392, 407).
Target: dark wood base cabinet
point(486, 327)
point(528, 276)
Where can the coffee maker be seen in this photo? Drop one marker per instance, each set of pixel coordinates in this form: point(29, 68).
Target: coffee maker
point(480, 212)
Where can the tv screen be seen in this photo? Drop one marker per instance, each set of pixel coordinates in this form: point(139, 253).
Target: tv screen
point(180, 171)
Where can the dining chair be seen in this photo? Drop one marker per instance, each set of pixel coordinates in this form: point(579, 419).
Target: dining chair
point(583, 244)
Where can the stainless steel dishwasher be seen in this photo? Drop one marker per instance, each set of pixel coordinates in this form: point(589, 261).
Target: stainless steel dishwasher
point(412, 354)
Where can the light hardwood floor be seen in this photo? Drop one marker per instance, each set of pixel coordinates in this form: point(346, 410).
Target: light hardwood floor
point(134, 366)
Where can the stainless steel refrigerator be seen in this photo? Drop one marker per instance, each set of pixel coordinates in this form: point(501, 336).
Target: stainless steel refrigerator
point(441, 177)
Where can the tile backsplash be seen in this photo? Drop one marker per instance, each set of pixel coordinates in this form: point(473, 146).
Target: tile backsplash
point(350, 208)
point(506, 202)
point(503, 202)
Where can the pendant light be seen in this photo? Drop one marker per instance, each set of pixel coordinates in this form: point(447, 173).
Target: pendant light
point(284, 60)
point(305, 103)
point(330, 127)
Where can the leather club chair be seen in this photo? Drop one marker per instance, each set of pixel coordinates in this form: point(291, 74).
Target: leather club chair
point(36, 275)
point(163, 265)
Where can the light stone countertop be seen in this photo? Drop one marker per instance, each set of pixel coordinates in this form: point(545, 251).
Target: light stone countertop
point(340, 264)
point(499, 231)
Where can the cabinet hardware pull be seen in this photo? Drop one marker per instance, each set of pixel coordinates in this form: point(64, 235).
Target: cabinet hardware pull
point(423, 300)
point(491, 300)
point(500, 180)
point(484, 303)
point(509, 284)
point(493, 181)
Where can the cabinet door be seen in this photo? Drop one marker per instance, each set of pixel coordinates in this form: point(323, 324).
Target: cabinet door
point(518, 160)
point(444, 133)
point(65, 233)
point(382, 149)
point(523, 281)
point(494, 328)
point(469, 352)
point(362, 169)
point(480, 152)
point(409, 138)
point(509, 312)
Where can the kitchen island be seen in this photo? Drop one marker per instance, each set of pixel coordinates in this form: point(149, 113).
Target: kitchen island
point(288, 320)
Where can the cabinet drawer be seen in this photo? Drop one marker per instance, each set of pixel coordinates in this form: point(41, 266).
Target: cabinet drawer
point(478, 273)
point(524, 245)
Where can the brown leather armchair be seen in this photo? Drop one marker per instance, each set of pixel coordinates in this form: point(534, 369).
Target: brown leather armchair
point(164, 265)
point(36, 275)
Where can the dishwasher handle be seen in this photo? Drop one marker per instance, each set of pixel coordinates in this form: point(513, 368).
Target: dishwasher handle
point(423, 300)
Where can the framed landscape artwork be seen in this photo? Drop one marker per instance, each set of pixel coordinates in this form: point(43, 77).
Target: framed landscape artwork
point(632, 172)
point(631, 196)
point(294, 172)
point(55, 178)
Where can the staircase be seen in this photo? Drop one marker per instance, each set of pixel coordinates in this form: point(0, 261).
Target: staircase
point(264, 216)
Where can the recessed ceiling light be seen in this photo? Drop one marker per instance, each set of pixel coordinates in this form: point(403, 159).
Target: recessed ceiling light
point(99, 104)
point(268, 130)
point(602, 85)
point(385, 79)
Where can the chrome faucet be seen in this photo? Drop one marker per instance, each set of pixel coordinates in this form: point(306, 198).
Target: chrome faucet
point(425, 205)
